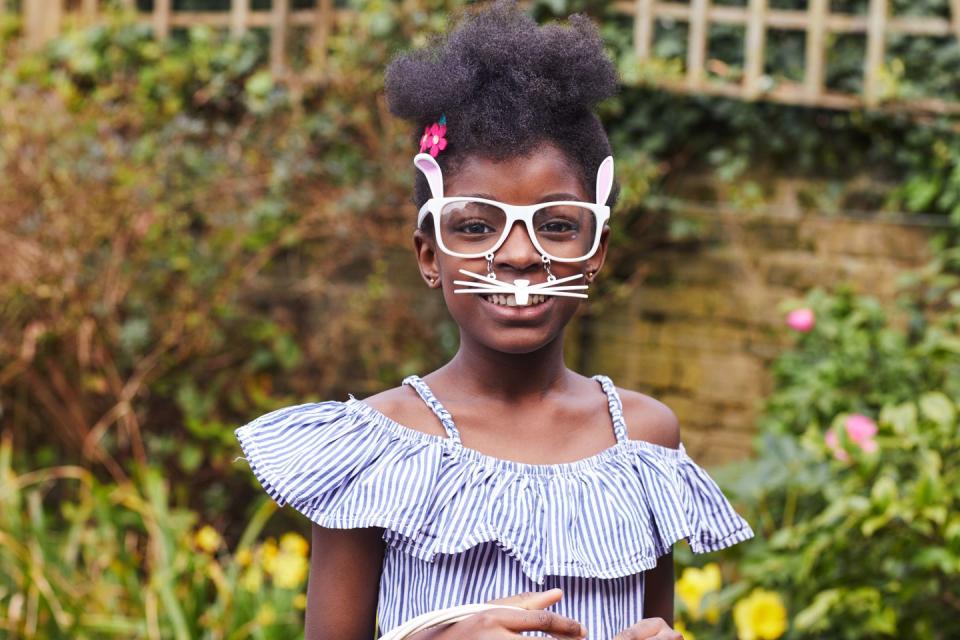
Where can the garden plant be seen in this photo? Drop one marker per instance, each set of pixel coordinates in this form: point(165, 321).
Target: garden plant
point(166, 227)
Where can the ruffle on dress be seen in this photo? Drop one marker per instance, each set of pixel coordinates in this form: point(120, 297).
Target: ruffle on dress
point(346, 465)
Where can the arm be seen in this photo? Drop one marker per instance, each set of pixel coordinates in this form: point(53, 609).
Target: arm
point(657, 605)
point(652, 421)
point(658, 590)
point(345, 567)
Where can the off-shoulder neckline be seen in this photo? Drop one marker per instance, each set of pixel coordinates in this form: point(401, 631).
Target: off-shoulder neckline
point(617, 450)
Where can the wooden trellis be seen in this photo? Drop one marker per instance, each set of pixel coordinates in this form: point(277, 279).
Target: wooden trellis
point(817, 22)
point(43, 20)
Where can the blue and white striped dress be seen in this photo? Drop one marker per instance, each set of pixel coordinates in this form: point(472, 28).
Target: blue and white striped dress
point(463, 527)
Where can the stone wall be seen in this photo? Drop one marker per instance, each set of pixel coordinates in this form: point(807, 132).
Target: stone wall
point(702, 329)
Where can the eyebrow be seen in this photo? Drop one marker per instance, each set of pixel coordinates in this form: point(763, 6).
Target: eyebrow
point(551, 197)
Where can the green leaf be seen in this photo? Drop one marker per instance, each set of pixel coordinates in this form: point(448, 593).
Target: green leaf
point(938, 408)
point(259, 84)
point(873, 524)
point(815, 616)
point(902, 417)
point(884, 491)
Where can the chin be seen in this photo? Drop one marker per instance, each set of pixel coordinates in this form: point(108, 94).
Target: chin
point(518, 347)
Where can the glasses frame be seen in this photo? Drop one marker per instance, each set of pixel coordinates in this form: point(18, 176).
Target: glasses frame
point(515, 213)
point(428, 165)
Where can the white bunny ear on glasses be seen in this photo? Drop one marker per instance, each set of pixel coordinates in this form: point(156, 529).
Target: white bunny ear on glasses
point(429, 167)
point(605, 180)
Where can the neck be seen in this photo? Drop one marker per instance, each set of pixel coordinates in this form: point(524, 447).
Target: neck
point(480, 370)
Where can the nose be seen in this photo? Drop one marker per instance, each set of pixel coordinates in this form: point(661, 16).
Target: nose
point(517, 252)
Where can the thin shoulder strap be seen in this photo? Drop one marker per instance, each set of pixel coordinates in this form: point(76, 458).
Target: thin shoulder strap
point(616, 407)
point(420, 386)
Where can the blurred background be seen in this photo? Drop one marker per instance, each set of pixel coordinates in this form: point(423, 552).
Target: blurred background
point(205, 214)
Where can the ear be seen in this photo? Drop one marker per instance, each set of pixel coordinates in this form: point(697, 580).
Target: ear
point(595, 262)
point(429, 167)
point(604, 180)
point(427, 258)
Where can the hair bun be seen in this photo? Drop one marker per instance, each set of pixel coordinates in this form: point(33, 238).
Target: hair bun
point(499, 65)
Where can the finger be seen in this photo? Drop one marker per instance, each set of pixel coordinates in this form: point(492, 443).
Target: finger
point(648, 629)
point(532, 599)
point(634, 634)
point(546, 621)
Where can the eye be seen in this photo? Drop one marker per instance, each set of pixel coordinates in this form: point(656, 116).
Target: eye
point(474, 227)
point(558, 225)
point(561, 221)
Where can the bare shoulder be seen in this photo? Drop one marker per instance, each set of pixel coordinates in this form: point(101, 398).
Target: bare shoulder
point(403, 405)
point(649, 419)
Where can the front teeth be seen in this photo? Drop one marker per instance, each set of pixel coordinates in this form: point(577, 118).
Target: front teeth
point(511, 300)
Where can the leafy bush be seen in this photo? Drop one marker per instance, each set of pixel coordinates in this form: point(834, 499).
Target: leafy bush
point(83, 559)
point(854, 490)
point(162, 223)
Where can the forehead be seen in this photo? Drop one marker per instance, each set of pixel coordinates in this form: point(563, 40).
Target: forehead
point(518, 179)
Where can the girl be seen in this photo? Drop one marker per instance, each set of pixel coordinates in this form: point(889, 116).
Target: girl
point(502, 472)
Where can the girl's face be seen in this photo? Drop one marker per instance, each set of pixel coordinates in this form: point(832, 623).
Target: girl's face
point(542, 176)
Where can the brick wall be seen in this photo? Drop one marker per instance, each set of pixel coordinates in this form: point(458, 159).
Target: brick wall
point(702, 329)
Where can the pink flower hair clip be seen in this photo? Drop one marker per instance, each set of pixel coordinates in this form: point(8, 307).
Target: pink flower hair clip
point(432, 141)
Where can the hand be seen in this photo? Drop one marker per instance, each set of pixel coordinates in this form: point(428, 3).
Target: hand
point(501, 624)
point(648, 629)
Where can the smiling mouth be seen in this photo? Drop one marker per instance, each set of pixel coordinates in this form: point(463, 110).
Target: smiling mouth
point(509, 300)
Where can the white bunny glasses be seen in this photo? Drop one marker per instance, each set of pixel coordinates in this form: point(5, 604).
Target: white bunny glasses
point(561, 231)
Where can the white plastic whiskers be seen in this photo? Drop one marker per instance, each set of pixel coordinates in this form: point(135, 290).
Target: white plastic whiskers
point(520, 289)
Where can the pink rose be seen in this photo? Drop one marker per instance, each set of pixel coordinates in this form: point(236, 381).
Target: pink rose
point(801, 320)
point(860, 429)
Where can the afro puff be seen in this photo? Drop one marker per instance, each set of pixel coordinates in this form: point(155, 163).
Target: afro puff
point(506, 85)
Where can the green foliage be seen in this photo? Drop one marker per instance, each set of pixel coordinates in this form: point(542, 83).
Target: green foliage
point(188, 243)
point(859, 543)
point(864, 160)
point(83, 559)
point(157, 218)
point(854, 362)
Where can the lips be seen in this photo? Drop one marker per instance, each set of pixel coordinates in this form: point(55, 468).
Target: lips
point(530, 313)
point(509, 300)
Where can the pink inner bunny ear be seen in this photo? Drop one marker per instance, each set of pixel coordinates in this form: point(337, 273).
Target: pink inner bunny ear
point(604, 180)
point(429, 167)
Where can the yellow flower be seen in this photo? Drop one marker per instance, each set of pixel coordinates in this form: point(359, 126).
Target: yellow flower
point(294, 543)
point(712, 613)
point(289, 570)
point(252, 579)
point(244, 557)
point(269, 550)
point(266, 615)
point(760, 616)
point(681, 628)
point(207, 539)
point(694, 584)
point(300, 601)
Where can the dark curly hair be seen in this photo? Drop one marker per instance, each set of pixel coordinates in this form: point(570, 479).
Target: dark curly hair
point(506, 85)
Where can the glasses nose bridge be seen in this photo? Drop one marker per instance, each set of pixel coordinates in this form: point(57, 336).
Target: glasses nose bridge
point(517, 246)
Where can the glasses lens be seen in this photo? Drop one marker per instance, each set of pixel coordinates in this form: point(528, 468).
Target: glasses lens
point(565, 231)
point(471, 227)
